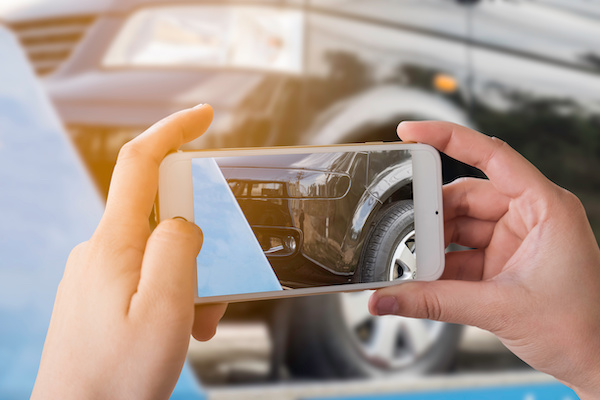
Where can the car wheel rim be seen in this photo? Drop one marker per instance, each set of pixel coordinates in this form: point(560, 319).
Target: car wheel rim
point(387, 342)
point(404, 261)
point(390, 342)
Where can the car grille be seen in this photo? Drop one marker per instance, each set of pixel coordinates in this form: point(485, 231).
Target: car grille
point(50, 42)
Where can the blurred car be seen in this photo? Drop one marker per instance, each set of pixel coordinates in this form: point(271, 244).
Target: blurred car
point(333, 71)
point(314, 213)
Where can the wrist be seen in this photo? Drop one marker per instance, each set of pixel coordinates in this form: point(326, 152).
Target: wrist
point(585, 394)
point(590, 388)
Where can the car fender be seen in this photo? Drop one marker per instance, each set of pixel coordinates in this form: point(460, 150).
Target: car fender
point(351, 119)
point(378, 191)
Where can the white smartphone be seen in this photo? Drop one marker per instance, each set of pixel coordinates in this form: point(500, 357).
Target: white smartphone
point(291, 221)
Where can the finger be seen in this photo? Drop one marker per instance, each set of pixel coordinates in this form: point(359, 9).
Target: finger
point(469, 232)
point(508, 238)
point(206, 319)
point(167, 280)
point(510, 172)
point(460, 302)
point(474, 197)
point(135, 178)
point(464, 265)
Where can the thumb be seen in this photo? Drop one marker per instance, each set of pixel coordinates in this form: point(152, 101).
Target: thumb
point(168, 276)
point(458, 302)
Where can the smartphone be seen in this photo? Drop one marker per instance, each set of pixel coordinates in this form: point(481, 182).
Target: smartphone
point(292, 221)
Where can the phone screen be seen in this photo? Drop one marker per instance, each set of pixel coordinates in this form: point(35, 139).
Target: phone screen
point(279, 222)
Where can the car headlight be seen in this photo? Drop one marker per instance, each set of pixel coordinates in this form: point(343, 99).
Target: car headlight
point(252, 37)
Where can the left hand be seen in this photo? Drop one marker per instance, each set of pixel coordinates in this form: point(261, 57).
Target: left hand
point(124, 310)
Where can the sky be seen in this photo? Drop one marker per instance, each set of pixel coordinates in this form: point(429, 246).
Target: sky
point(231, 260)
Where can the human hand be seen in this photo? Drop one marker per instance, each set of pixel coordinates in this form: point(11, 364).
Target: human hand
point(533, 274)
point(124, 309)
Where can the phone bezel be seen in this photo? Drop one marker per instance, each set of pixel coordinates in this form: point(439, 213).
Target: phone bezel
point(175, 198)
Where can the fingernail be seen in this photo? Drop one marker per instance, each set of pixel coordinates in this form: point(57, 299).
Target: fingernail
point(199, 106)
point(403, 125)
point(197, 227)
point(386, 305)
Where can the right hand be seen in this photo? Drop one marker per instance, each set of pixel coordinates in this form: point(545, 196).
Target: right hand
point(533, 274)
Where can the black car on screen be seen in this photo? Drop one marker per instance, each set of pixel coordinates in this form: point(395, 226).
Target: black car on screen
point(329, 218)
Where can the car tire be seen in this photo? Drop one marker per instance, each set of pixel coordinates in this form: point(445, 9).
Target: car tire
point(389, 246)
point(334, 336)
point(325, 344)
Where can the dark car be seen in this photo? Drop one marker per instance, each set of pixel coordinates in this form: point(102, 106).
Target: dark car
point(313, 214)
point(304, 72)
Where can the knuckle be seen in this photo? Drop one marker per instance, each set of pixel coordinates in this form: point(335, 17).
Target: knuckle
point(77, 264)
point(487, 157)
point(498, 141)
point(129, 150)
point(112, 248)
point(430, 307)
point(457, 186)
point(79, 250)
point(123, 235)
point(498, 319)
point(135, 150)
point(77, 253)
point(571, 201)
point(461, 181)
point(562, 202)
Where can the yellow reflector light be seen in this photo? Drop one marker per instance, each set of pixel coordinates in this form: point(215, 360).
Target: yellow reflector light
point(445, 83)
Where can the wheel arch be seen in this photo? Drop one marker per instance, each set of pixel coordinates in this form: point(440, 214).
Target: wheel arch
point(356, 118)
point(374, 114)
point(378, 193)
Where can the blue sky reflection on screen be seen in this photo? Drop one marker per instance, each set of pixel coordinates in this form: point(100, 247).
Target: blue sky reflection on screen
point(231, 260)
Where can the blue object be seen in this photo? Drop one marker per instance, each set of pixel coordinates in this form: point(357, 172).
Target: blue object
point(48, 205)
point(231, 260)
point(548, 391)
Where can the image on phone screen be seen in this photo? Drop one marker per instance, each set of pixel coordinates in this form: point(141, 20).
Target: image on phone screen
point(276, 222)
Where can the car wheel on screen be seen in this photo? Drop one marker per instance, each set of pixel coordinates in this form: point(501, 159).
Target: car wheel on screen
point(389, 251)
point(334, 336)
